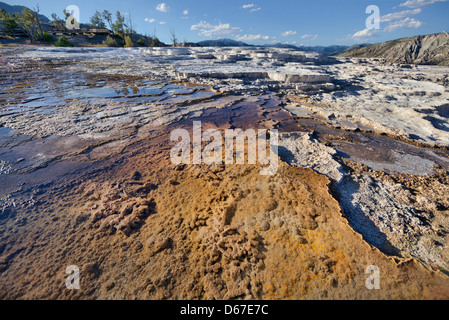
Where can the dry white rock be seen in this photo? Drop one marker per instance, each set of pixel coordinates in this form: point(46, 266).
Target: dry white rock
point(301, 149)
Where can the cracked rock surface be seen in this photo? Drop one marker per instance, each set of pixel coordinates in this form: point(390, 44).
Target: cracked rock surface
point(86, 177)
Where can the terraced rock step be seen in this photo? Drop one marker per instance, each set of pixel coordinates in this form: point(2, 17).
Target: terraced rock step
point(86, 177)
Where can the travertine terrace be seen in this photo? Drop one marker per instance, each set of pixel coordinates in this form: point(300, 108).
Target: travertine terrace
point(86, 178)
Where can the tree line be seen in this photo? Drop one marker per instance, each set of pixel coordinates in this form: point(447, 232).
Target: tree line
point(28, 21)
point(122, 28)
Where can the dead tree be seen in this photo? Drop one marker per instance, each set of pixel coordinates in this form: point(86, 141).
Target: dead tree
point(174, 39)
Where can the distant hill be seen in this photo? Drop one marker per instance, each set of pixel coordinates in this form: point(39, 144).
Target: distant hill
point(326, 50)
point(223, 43)
point(432, 49)
point(356, 46)
point(281, 45)
point(18, 9)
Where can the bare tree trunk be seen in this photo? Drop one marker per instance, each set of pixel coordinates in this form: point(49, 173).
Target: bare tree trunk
point(130, 23)
point(33, 32)
point(174, 39)
point(38, 22)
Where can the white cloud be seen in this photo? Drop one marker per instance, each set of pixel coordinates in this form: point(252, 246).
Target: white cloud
point(399, 15)
point(407, 23)
point(162, 22)
point(396, 20)
point(185, 12)
point(402, 19)
point(252, 37)
point(201, 25)
point(419, 3)
point(252, 7)
point(364, 34)
point(162, 7)
point(289, 33)
point(309, 37)
point(150, 20)
point(208, 30)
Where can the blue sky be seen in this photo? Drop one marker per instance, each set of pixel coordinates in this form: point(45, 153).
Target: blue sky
point(313, 22)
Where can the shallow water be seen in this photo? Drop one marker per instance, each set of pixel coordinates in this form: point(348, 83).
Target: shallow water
point(379, 152)
point(49, 89)
point(69, 141)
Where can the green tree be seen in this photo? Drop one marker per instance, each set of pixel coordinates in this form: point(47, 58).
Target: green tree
point(63, 42)
point(107, 16)
point(8, 22)
point(110, 42)
point(96, 21)
point(128, 42)
point(47, 37)
point(30, 23)
point(119, 26)
point(58, 23)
